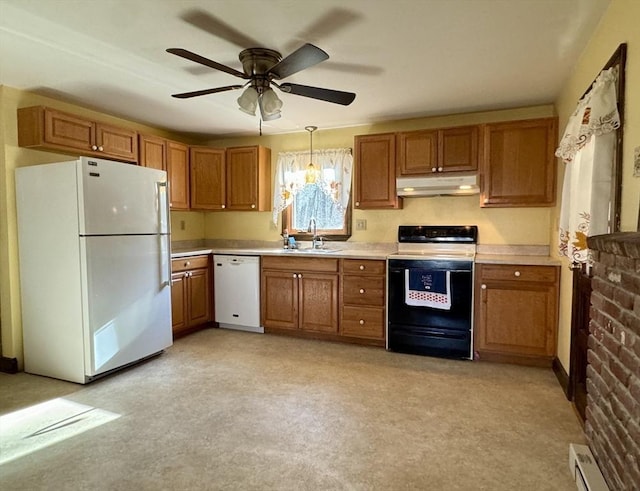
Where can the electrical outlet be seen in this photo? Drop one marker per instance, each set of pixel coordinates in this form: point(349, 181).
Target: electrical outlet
point(183, 225)
point(636, 162)
point(361, 224)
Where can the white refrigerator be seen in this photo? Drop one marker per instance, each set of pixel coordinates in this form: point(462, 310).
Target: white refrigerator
point(95, 277)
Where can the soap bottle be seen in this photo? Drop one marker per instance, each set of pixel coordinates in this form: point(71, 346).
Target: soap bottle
point(285, 237)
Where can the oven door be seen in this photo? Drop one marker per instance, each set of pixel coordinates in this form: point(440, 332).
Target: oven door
point(425, 329)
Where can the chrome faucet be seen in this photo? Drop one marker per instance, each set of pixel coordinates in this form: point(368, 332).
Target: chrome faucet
point(316, 242)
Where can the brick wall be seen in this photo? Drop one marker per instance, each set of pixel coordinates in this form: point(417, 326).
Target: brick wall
point(613, 372)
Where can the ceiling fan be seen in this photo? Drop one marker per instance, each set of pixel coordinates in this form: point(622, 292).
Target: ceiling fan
point(261, 67)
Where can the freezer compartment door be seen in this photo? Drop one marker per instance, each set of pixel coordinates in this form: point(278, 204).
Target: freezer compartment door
point(127, 299)
point(116, 198)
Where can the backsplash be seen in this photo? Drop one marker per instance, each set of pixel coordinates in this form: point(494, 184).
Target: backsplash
point(613, 373)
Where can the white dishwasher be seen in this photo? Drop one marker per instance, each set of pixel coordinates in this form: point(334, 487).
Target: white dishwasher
point(237, 292)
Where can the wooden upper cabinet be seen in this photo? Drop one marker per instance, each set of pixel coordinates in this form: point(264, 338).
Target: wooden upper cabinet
point(48, 129)
point(518, 164)
point(417, 152)
point(178, 175)
point(375, 172)
point(443, 150)
point(248, 178)
point(207, 171)
point(153, 152)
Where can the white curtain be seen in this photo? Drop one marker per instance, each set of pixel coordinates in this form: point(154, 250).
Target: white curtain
point(330, 169)
point(587, 149)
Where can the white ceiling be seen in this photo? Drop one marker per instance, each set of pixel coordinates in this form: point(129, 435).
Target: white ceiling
point(403, 58)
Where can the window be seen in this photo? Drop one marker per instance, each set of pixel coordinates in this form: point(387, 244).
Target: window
point(318, 190)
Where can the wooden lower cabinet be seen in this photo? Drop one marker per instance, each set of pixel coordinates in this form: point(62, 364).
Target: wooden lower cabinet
point(300, 294)
point(191, 293)
point(516, 313)
point(362, 299)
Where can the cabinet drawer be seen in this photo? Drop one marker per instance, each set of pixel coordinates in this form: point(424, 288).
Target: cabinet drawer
point(363, 290)
point(514, 272)
point(363, 322)
point(300, 263)
point(363, 266)
point(186, 263)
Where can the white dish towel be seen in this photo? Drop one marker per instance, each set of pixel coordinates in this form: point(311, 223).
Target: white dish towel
point(425, 288)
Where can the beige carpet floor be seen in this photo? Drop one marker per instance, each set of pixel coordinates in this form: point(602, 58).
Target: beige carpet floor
point(232, 410)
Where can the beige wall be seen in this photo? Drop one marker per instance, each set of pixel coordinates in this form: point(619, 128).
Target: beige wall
point(12, 157)
point(619, 25)
point(496, 226)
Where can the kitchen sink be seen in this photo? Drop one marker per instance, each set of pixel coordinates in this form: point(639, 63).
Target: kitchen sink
point(309, 250)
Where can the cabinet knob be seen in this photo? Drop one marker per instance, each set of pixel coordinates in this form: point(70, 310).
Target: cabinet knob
point(517, 273)
point(253, 206)
point(357, 203)
point(434, 169)
point(94, 147)
point(223, 206)
point(299, 275)
point(439, 169)
point(483, 286)
point(101, 148)
point(362, 267)
point(295, 275)
point(362, 322)
point(361, 290)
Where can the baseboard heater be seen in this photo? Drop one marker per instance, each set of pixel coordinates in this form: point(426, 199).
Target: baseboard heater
point(585, 470)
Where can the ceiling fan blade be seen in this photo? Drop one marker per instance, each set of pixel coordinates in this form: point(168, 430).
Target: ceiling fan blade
point(304, 57)
point(335, 96)
point(332, 21)
point(208, 23)
point(196, 93)
point(205, 61)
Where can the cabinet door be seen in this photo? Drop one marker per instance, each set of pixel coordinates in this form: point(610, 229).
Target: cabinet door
point(375, 172)
point(517, 317)
point(279, 303)
point(117, 142)
point(199, 299)
point(152, 152)
point(458, 149)
point(519, 165)
point(207, 171)
point(318, 302)
point(178, 302)
point(68, 130)
point(178, 171)
point(242, 178)
point(417, 152)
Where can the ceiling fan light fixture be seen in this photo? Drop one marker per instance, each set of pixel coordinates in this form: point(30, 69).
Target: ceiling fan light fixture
point(248, 101)
point(269, 102)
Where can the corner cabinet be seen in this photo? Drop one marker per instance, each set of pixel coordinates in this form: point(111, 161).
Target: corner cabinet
point(518, 163)
point(299, 294)
point(375, 172)
point(44, 128)
point(191, 293)
point(516, 313)
point(433, 151)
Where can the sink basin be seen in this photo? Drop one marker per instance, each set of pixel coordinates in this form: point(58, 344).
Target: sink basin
point(309, 250)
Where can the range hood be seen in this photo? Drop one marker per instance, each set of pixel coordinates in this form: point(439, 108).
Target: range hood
point(438, 185)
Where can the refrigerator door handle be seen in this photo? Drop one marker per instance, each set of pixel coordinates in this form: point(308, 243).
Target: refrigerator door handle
point(163, 207)
point(165, 261)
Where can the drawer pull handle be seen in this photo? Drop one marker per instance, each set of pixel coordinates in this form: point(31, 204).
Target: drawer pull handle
point(362, 267)
point(295, 275)
point(517, 273)
point(187, 263)
point(223, 206)
point(361, 290)
point(362, 322)
point(484, 287)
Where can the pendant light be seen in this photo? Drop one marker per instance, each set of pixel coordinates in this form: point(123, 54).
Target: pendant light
point(312, 173)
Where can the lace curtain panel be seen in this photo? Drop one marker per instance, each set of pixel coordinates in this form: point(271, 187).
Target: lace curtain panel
point(330, 170)
point(587, 149)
